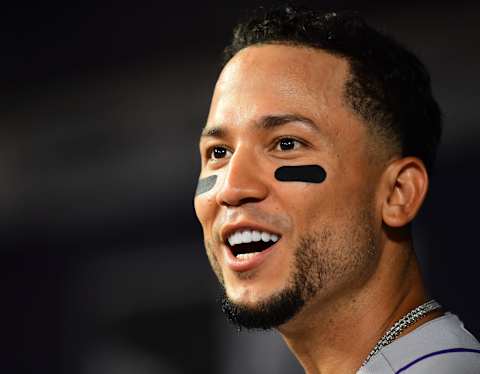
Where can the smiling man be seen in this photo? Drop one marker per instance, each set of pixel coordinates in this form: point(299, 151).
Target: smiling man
point(315, 159)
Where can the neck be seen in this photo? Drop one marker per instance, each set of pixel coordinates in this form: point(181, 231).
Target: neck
point(336, 334)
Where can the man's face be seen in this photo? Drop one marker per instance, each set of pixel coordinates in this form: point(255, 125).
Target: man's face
point(274, 106)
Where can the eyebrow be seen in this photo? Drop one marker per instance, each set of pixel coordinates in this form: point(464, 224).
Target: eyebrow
point(265, 123)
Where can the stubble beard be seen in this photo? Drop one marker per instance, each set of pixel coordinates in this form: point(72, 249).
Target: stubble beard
point(318, 263)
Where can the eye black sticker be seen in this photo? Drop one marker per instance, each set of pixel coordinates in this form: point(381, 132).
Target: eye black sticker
point(301, 173)
point(205, 184)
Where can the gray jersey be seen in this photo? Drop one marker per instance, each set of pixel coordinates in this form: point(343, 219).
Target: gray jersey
point(440, 346)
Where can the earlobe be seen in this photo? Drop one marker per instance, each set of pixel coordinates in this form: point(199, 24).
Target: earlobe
point(406, 187)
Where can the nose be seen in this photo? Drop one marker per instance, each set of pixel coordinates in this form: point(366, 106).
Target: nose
point(243, 181)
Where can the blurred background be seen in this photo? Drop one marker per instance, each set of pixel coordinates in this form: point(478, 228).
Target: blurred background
point(102, 263)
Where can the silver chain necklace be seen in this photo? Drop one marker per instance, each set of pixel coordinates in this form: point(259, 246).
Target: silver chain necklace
point(407, 320)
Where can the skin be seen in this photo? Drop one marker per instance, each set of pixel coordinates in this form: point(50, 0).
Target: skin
point(370, 277)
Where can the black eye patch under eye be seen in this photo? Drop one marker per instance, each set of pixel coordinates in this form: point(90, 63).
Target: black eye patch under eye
point(301, 173)
point(205, 184)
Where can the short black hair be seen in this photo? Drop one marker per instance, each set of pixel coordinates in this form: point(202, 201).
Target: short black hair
point(388, 87)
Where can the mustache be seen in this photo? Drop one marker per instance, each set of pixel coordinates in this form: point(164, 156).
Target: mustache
point(280, 221)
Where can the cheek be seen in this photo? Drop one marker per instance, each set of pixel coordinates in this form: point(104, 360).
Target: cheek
point(205, 203)
point(205, 208)
point(302, 202)
point(318, 208)
point(309, 204)
point(206, 184)
point(301, 185)
point(204, 195)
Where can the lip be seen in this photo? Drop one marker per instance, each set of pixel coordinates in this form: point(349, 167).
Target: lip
point(241, 266)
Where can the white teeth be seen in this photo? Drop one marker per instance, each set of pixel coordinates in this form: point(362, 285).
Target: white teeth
point(248, 236)
point(265, 236)
point(246, 256)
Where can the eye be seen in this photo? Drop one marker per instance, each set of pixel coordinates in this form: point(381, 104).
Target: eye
point(288, 144)
point(218, 152)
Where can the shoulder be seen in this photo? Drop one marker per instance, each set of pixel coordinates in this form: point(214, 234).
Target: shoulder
point(447, 361)
point(440, 346)
point(451, 361)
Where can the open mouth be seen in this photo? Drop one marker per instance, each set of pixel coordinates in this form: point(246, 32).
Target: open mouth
point(245, 244)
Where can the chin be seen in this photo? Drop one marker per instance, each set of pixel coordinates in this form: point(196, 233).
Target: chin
point(250, 293)
point(260, 309)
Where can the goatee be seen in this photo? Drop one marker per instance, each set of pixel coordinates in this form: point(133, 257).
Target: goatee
point(284, 305)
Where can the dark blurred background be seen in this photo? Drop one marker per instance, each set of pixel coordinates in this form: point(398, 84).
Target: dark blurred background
point(102, 264)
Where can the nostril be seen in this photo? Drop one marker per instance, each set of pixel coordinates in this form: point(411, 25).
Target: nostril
point(242, 201)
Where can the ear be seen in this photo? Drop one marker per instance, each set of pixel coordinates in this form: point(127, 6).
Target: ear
point(406, 182)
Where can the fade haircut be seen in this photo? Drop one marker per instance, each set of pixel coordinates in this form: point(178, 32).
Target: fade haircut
point(388, 87)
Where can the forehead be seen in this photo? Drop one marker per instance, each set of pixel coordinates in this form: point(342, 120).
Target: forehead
point(268, 79)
